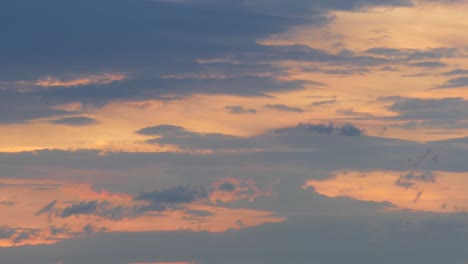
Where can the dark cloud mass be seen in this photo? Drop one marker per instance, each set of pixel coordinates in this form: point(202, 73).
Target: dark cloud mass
point(345, 130)
point(233, 132)
point(459, 82)
point(152, 40)
point(336, 240)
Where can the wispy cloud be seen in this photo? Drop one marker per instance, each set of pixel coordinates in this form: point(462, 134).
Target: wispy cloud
point(86, 80)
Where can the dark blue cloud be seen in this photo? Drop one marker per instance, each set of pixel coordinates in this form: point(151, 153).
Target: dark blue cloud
point(161, 130)
point(368, 238)
point(456, 72)
point(82, 208)
point(75, 121)
point(448, 108)
point(18, 107)
point(237, 109)
point(227, 187)
point(428, 64)
point(17, 235)
point(179, 136)
point(284, 108)
point(409, 179)
point(47, 208)
point(459, 82)
point(177, 195)
point(151, 40)
point(124, 33)
point(345, 130)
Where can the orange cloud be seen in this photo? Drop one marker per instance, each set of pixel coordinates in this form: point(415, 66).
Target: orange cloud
point(443, 192)
point(86, 80)
point(40, 212)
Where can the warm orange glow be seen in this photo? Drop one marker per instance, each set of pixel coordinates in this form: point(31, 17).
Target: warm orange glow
point(447, 194)
point(22, 214)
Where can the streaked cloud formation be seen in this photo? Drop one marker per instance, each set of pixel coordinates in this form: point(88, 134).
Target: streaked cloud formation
point(218, 131)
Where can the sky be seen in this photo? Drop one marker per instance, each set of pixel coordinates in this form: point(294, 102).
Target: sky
point(233, 131)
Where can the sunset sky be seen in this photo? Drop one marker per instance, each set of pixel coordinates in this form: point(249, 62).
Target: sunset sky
point(233, 131)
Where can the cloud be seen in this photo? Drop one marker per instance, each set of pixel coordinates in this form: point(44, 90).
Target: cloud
point(459, 82)
point(159, 39)
point(82, 208)
point(428, 64)
point(17, 235)
point(160, 130)
point(385, 234)
point(25, 234)
point(284, 108)
point(446, 112)
point(442, 109)
point(236, 109)
point(6, 232)
point(185, 139)
point(456, 72)
point(105, 209)
point(416, 55)
point(227, 187)
point(174, 46)
point(140, 204)
point(87, 80)
point(345, 130)
point(7, 203)
point(177, 195)
point(47, 208)
point(75, 121)
point(407, 180)
point(324, 102)
point(17, 107)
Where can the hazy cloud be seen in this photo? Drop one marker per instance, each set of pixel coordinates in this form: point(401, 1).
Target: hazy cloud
point(177, 195)
point(459, 82)
point(284, 108)
point(345, 130)
point(75, 121)
point(236, 109)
